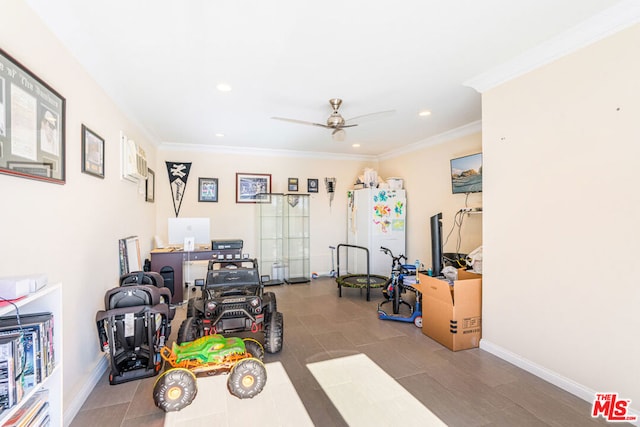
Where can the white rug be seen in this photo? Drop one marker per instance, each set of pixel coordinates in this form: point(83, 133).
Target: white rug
point(365, 395)
point(278, 404)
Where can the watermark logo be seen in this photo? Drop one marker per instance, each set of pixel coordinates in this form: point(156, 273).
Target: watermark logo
point(612, 408)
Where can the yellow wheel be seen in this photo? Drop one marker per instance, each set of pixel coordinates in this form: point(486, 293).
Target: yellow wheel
point(254, 348)
point(247, 378)
point(175, 389)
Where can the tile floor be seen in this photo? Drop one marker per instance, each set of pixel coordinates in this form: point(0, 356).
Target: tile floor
point(466, 388)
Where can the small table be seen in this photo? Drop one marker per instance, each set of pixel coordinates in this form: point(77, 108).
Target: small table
point(175, 258)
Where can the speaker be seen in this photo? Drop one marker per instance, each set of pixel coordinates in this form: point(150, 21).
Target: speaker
point(167, 274)
point(436, 243)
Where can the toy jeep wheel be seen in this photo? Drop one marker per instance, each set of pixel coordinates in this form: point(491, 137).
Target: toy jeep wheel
point(254, 348)
point(272, 307)
point(247, 378)
point(273, 333)
point(191, 310)
point(188, 330)
point(175, 389)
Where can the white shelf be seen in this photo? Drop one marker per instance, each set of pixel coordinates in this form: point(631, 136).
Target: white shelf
point(47, 299)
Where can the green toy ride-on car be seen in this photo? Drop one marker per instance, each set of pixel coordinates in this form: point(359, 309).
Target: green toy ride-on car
point(232, 301)
point(212, 354)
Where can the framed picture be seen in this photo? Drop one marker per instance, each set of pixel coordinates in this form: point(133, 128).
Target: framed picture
point(92, 153)
point(249, 186)
point(32, 125)
point(293, 184)
point(208, 189)
point(151, 186)
point(312, 185)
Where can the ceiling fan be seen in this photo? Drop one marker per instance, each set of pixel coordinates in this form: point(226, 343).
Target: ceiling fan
point(335, 121)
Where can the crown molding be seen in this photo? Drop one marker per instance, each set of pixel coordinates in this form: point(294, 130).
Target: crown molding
point(450, 135)
point(612, 20)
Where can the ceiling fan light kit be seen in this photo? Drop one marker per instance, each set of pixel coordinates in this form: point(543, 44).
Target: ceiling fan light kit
point(339, 135)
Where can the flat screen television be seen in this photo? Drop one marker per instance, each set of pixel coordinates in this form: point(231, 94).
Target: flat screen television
point(198, 228)
point(466, 174)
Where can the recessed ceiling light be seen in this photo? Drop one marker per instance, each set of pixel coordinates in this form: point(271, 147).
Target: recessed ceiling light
point(355, 145)
point(223, 87)
point(424, 113)
point(220, 135)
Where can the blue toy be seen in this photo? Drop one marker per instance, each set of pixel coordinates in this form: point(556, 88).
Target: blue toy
point(394, 288)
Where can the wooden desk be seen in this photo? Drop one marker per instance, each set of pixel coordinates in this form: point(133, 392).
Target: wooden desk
point(175, 258)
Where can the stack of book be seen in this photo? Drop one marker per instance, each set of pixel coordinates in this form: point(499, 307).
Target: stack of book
point(34, 412)
point(26, 355)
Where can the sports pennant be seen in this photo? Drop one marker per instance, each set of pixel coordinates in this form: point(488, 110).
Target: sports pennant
point(178, 174)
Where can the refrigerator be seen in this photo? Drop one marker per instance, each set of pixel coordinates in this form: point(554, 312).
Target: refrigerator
point(376, 217)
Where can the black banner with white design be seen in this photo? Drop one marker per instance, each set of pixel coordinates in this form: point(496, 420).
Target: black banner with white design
point(178, 174)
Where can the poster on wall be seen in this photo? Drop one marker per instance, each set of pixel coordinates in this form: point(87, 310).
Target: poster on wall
point(32, 125)
point(178, 174)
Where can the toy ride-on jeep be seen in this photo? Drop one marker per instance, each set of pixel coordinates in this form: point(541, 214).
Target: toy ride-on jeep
point(233, 301)
point(212, 354)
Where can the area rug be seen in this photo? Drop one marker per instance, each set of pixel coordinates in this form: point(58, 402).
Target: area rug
point(365, 395)
point(277, 405)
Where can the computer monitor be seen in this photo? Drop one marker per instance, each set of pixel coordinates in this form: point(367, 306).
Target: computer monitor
point(436, 243)
point(197, 228)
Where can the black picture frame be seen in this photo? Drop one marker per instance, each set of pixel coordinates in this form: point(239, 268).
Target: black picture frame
point(92, 153)
point(250, 186)
point(312, 185)
point(32, 125)
point(150, 194)
point(208, 190)
point(292, 184)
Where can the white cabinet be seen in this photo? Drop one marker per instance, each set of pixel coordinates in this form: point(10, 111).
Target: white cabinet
point(47, 299)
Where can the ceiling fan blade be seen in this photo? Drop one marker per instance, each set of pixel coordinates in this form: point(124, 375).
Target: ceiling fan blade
point(376, 115)
point(302, 122)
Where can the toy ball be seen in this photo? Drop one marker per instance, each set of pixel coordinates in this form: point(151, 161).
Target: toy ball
point(314, 275)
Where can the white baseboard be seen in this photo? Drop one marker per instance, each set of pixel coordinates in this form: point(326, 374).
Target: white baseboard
point(568, 385)
point(79, 399)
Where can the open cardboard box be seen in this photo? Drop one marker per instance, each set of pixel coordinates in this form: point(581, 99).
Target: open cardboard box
point(452, 315)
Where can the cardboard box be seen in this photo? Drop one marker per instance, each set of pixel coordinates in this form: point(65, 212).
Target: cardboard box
point(452, 315)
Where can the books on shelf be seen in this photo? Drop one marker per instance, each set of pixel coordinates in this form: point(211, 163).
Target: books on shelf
point(34, 412)
point(11, 357)
point(26, 354)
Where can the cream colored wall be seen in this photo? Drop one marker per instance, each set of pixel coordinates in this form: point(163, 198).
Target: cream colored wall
point(427, 178)
point(70, 232)
point(561, 147)
point(230, 220)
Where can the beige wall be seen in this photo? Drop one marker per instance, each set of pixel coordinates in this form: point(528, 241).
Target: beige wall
point(560, 236)
point(561, 148)
point(230, 220)
point(427, 178)
point(70, 232)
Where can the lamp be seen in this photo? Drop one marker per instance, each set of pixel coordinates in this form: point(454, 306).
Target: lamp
point(339, 135)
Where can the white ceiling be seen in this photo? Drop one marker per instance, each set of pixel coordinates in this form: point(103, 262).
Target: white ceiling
point(161, 60)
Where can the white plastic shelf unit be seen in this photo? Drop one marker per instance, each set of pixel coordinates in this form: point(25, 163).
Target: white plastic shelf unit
point(47, 299)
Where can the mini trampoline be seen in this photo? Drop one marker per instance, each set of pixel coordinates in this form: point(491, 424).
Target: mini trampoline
point(361, 281)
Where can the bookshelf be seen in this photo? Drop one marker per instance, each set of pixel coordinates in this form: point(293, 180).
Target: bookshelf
point(47, 299)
